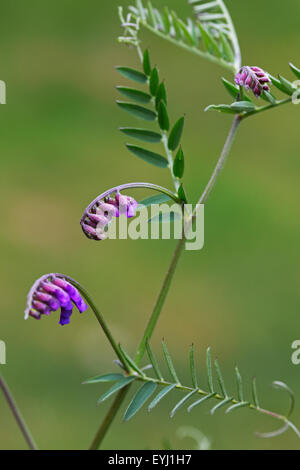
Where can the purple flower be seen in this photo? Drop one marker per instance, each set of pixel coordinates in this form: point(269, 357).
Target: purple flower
point(51, 292)
point(254, 78)
point(99, 214)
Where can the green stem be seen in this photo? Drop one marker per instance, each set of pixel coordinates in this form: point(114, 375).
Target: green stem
point(267, 107)
point(18, 417)
point(160, 300)
point(164, 289)
point(221, 162)
point(109, 417)
point(170, 160)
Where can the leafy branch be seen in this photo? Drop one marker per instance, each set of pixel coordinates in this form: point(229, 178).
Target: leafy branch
point(155, 98)
point(245, 106)
point(210, 34)
point(220, 394)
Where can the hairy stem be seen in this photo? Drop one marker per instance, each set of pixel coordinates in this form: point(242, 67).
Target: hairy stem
point(18, 417)
point(165, 288)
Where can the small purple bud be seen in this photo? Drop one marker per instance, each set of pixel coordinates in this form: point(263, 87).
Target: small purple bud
point(51, 292)
point(41, 307)
point(59, 293)
point(34, 314)
point(65, 316)
point(48, 299)
point(73, 293)
point(254, 78)
point(100, 212)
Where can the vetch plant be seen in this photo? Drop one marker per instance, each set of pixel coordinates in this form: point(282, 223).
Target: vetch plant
point(211, 35)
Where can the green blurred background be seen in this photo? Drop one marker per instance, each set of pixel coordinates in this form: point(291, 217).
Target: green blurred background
point(60, 148)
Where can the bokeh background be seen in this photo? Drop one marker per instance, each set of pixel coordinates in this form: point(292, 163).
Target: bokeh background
point(60, 148)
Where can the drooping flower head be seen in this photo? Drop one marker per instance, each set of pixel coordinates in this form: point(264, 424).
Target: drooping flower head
point(253, 77)
point(51, 292)
point(100, 212)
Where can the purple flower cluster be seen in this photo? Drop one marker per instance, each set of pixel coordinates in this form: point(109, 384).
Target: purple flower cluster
point(51, 292)
point(99, 214)
point(254, 78)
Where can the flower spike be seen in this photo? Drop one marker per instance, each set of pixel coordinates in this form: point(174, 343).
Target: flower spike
point(253, 77)
point(51, 292)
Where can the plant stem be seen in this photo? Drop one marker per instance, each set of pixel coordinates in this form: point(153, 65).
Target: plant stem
point(267, 107)
point(170, 159)
point(103, 324)
point(223, 157)
point(109, 417)
point(160, 300)
point(18, 417)
point(164, 290)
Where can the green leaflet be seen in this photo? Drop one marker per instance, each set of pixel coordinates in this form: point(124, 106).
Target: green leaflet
point(209, 42)
point(178, 165)
point(239, 383)
point(237, 406)
point(159, 199)
point(103, 378)
point(200, 401)
point(153, 360)
point(267, 96)
point(222, 108)
point(140, 398)
point(254, 393)
point(209, 370)
point(161, 94)
point(295, 70)
point(161, 395)
point(133, 94)
point(163, 118)
point(181, 194)
point(290, 88)
point(242, 106)
point(227, 51)
point(182, 402)
point(132, 74)
point(154, 82)
point(148, 156)
point(137, 111)
point(219, 405)
point(192, 367)
point(130, 361)
point(142, 134)
point(184, 30)
point(175, 135)
point(165, 217)
point(232, 89)
point(220, 379)
point(115, 388)
point(146, 63)
point(170, 363)
point(287, 90)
